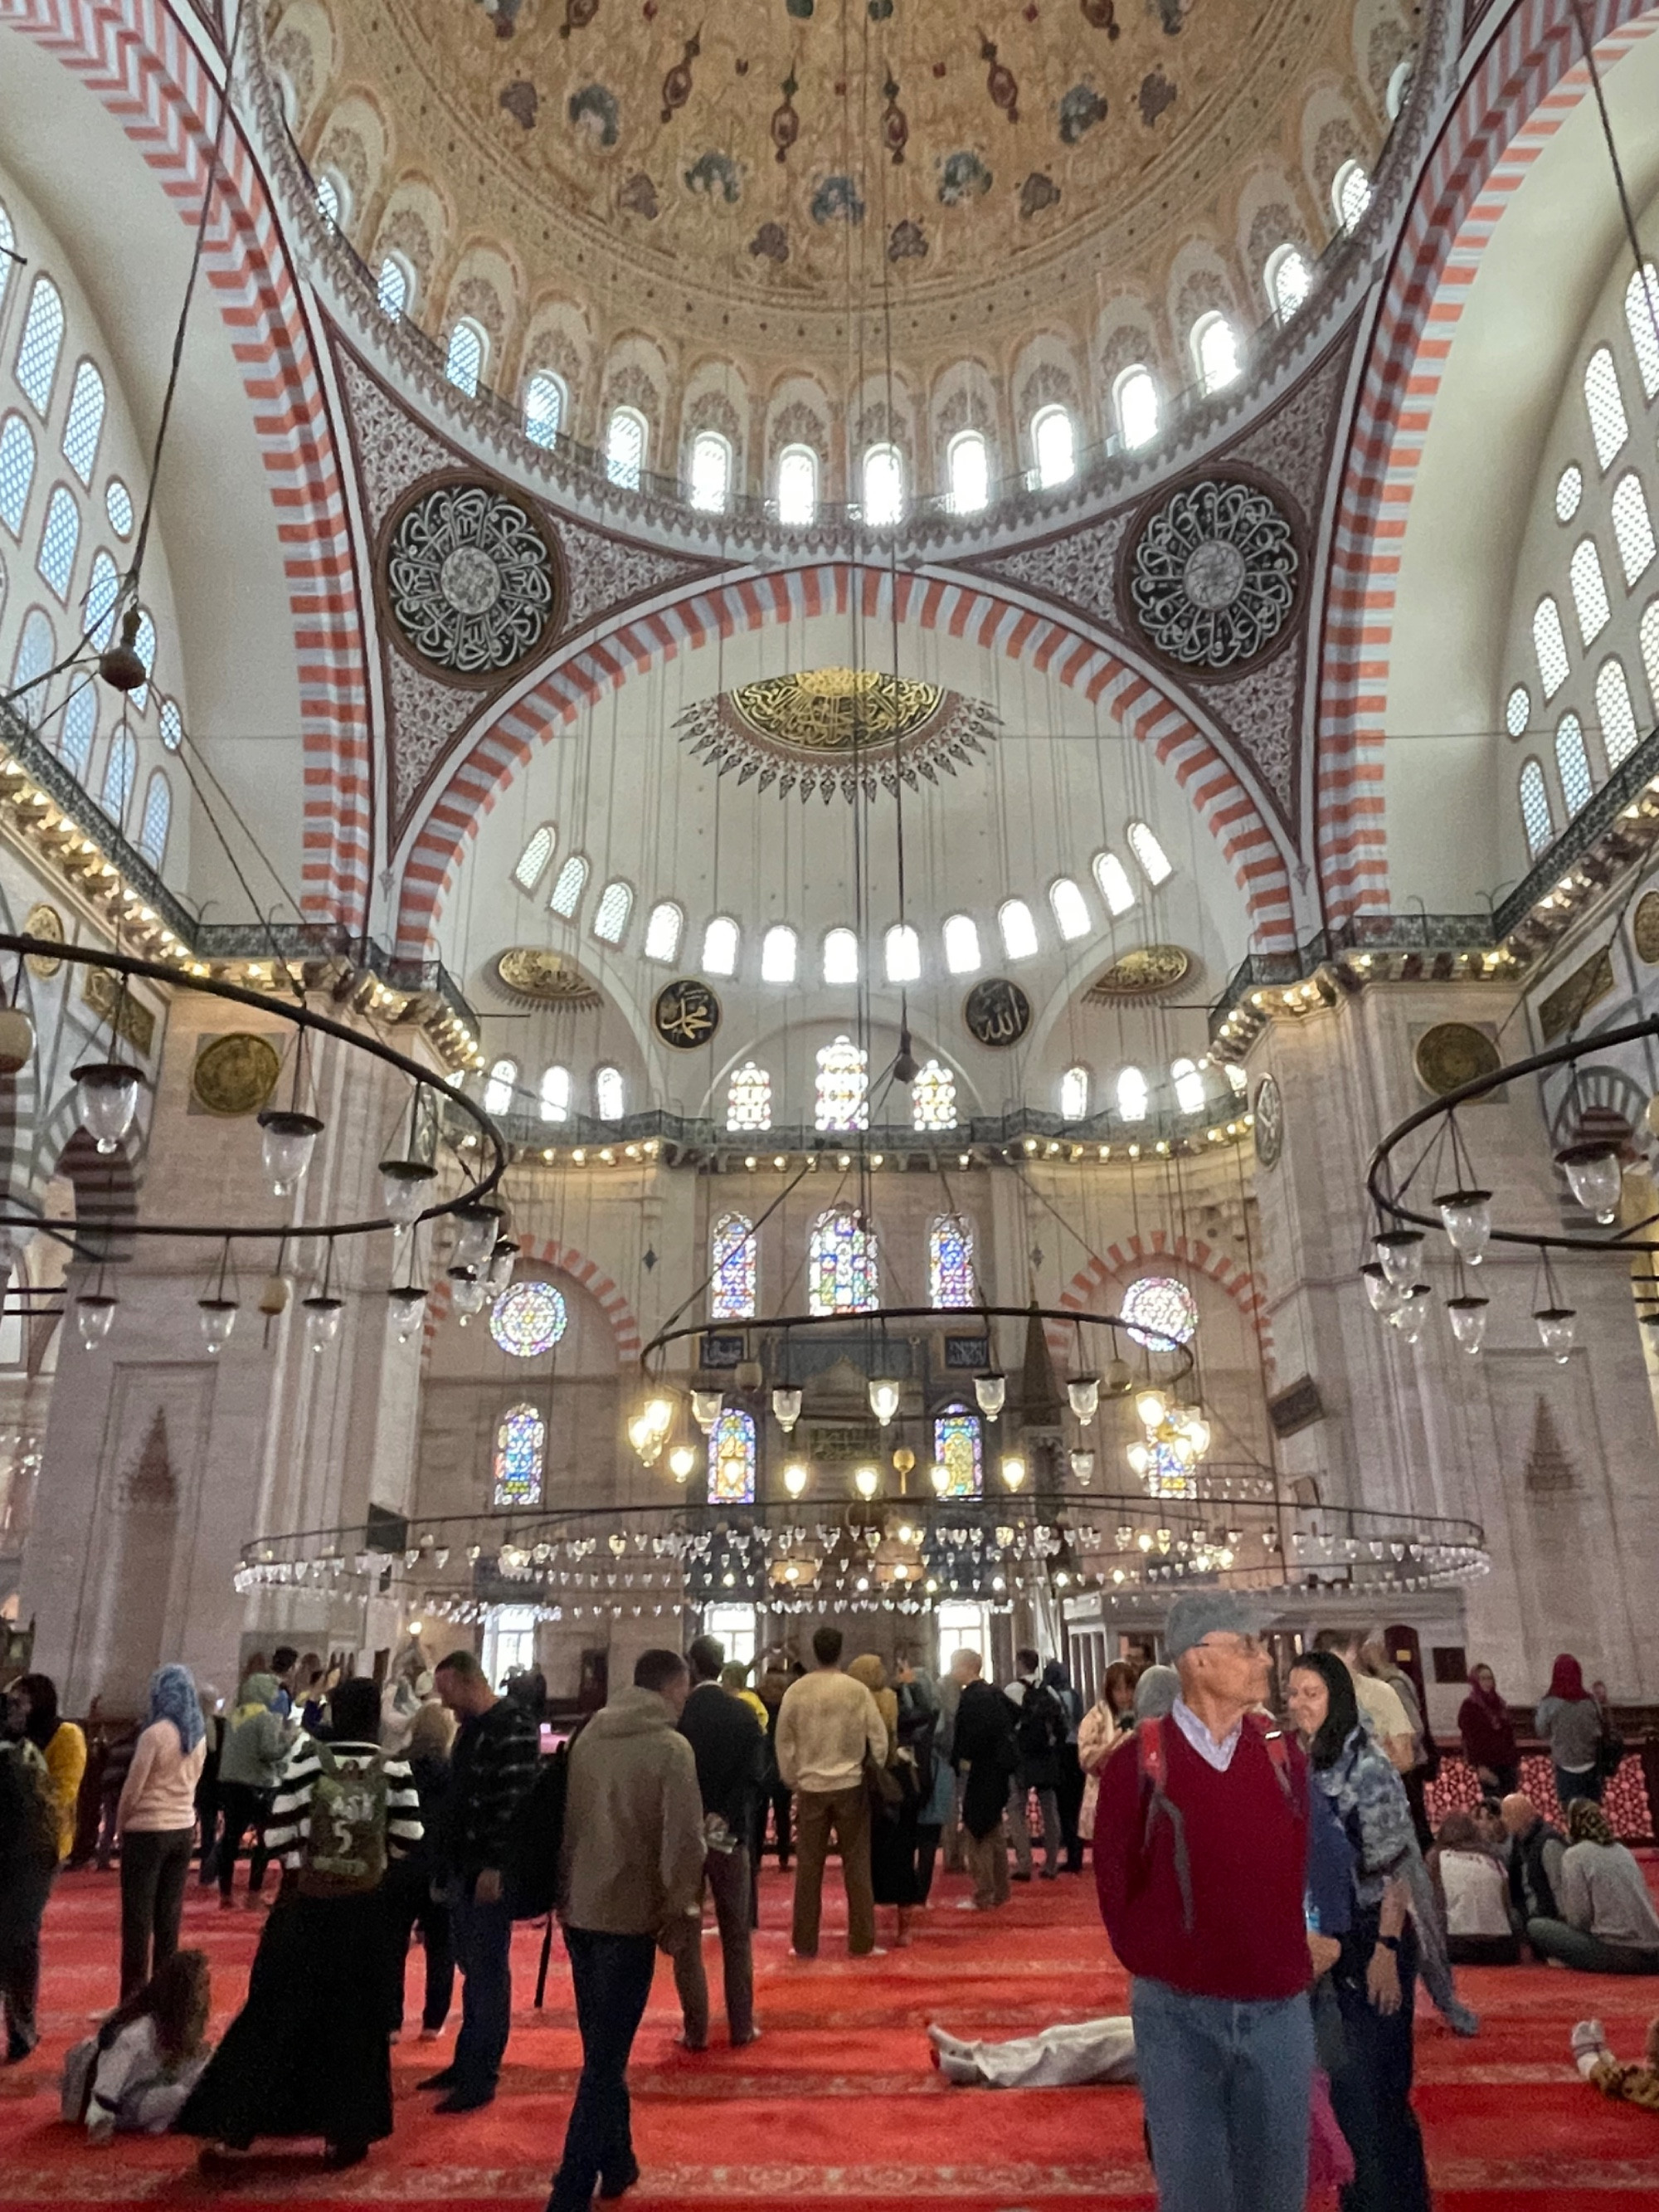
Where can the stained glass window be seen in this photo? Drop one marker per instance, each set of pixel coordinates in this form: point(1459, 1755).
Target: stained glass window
point(36, 651)
point(1289, 280)
point(951, 1263)
point(84, 424)
point(624, 448)
point(1167, 1478)
point(934, 1097)
point(749, 1098)
point(556, 1094)
point(529, 1319)
point(144, 646)
point(328, 200)
point(968, 464)
point(1136, 396)
point(1351, 193)
point(843, 1086)
point(733, 1254)
point(520, 1447)
point(172, 725)
point(959, 1447)
point(1019, 936)
point(902, 950)
point(534, 858)
point(1215, 352)
point(1651, 650)
point(841, 1265)
point(1606, 405)
point(709, 476)
point(798, 485)
point(1159, 1302)
point(36, 365)
point(732, 1459)
point(662, 932)
point(1053, 442)
point(884, 487)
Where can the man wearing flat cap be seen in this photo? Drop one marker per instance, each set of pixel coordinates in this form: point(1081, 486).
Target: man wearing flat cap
point(1201, 1859)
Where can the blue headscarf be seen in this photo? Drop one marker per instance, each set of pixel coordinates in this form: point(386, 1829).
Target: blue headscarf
point(172, 1698)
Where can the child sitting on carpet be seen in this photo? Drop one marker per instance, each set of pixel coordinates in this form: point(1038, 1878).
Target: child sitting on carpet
point(1635, 2085)
point(133, 2076)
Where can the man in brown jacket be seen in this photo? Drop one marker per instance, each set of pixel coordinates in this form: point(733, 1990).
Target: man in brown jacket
point(630, 1874)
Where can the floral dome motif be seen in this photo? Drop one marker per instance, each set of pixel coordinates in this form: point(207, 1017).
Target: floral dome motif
point(471, 580)
point(1212, 579)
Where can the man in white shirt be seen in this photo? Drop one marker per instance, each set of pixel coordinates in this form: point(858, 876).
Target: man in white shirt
point(1390, 1723)
point(827, 1724)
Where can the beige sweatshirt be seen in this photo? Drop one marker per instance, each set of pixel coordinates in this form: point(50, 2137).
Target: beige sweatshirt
point(826, 1724)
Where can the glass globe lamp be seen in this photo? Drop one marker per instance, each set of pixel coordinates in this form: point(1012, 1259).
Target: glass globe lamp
point(1083, 1467)
point(1412, 1316)
point(884, 1398)
point(218, 1319)
point(785, 1408)
point(1467, 1317)
point(1150, 1406)
point(1557, 1328)
point(1595, 1177)
point(681, 1461)
point(95, 1315)
point(1013, 1472)
point(322, 1321)
point(289, 1142)
point(992, 1392)
point(706, 1408)
point(405, 1185)
point(477, 1228)
point(106, 1100)
point(867, 1481)
point(796, 1476)
point(1140, 1460)
point(1384, 1297)
point(1084, 1392)
point(1467, 1215)
point(939, 1475)
point(407, 1304)
point(1398, 1250)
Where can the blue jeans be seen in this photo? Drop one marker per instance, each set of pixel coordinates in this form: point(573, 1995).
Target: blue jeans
point(482, 1937)
point(612, 1977)
point(1225, 2085)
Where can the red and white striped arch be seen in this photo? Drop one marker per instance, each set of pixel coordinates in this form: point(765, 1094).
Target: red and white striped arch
point(539, 1252)
point(1082, 662)
point(1515, 99)
point(143, 65)
point(1119, 1265)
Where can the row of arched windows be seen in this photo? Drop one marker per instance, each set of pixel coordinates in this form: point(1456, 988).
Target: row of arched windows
point(1587, 742)
point(843, 1265)
point(840, 957)
point(554, 1095)
point(1132, 1094)
point(883, 494)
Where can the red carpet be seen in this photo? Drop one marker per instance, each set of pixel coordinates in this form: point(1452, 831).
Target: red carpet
point(837, 2108)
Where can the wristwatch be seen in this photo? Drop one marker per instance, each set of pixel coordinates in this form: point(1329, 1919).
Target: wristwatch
point(1390, 1943)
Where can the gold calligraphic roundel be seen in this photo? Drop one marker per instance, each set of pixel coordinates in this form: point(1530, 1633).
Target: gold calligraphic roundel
point(235, 1074)
point(686, 1015)
point(1453, 1054)
point(1646, 928)
point(1146, 972)
point(43, 921)
point(1267, 1122)
point(548, 979)
point(997, 1013)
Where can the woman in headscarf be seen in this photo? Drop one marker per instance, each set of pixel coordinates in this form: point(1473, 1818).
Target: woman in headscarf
point(1571, 1723)
point(1607, 1923)
point(893, 1807)
point(1102, 1728)
point(1488, 1734)
point(155, 1821)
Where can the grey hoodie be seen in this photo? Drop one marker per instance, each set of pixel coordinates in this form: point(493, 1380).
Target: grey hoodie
point(257, 1740)
point(632, 1863)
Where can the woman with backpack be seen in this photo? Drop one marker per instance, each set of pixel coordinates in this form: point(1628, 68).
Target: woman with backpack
point(308, 2053)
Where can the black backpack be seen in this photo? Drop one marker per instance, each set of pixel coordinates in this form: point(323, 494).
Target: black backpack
point(536, 1839)
point(1039, 1724)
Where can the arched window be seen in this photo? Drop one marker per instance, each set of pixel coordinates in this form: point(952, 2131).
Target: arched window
point(1590, 590)
point(961, 954)
point(1154, 862)
point(1070, 909)
point(143, 645)
point(118, 505)
point(1215, 352)
point(330, 199)
point(60, 540)
point(1632, 526)
point(120, 774)
point(1351, 194)
point(1569, 490)
point(1019, 936)
point(1158, 1309)
point(16, 471)
point(732, 1459)
point(840, 956)
point(1289, 280)
point(83, 426)
point(749, 1098)
point(624, 447)
point(951, 1263)
point(901, 948)
point(500, 1085)
point(968, 468)
point(463, 362)
point(720, 946)
point(393, 288)
point(544, 407)
point(610, 916)
point(959, 1448)
point(1651, 651)
point(934, 1097)
point(1188, 1086)
point(157, 819)
point(732, 1269)
point(843, 1090)
point(1517, 711)
point(1399, 84)
point(883, 478)
point(1550, 644)
point(797, 487)
point(1536, 818)
point(78, 727)
point(1113, 879)
point(1074, 1095)
point(1617, 715)
point(1642, 317)
point(1053, 445)
point(36, 365)
point(609, 1094)
point(521, 1450)
point(567, 887)
point(1606, 404)
point(555, 1094)
point(1573, 764)
point(171, 723)
point(1133, 1096)
point(37, 649)
point(779, 951)
point(662, 930)
point(710, 476)
point(1135, 397)
point(841, 1264)
point(532, 861)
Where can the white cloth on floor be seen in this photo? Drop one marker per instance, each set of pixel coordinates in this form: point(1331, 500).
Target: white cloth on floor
point(1064, 2057)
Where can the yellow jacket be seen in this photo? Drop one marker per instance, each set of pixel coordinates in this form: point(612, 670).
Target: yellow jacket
point(66, 1762)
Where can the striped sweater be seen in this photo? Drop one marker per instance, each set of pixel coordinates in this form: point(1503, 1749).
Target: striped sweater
point(290, 1827)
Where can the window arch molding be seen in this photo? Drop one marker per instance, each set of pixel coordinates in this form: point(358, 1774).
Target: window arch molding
point(1213, 343)
point(546, 406)
point(710, 471)
point(1288, 280)
point(466, 355)
point(1053, 446)
point(627, 443)
point(797, 474)
point(1135, 405)
point(968, 472)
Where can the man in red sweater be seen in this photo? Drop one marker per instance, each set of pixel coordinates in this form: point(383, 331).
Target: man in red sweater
point(1200, 1860)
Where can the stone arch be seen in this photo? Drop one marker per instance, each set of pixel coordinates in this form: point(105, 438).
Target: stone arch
point(543, 1252)
point(1119, 1263)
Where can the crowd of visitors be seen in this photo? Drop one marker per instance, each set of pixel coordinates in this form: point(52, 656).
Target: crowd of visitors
point(1264, 1881)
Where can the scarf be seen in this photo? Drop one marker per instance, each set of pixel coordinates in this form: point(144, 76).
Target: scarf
point(1567, 1680)
point(1491, 1700)
point(172, 1698)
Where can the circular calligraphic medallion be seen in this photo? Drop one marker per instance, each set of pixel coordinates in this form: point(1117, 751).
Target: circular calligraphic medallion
point(1267, 1111)
point(472, 583)
point(548, 979)
point(686, 1015)
point(1646, 928)
point(235, 1074)
point(1213, 576)
point(997, 1013)
point(43, 921)
point(1453, 1054)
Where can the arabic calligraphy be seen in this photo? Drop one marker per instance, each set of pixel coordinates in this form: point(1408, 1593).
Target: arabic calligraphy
point(686, 1015)
point(997, 1013)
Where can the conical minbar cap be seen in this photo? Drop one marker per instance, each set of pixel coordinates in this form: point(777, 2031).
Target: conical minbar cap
point(1039, 1402)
